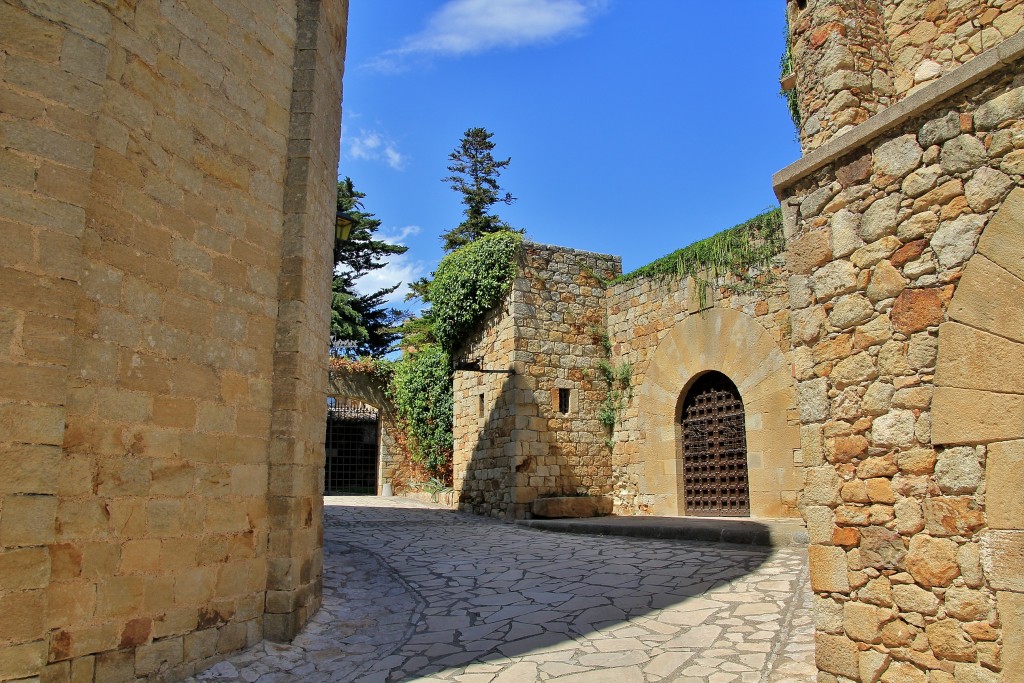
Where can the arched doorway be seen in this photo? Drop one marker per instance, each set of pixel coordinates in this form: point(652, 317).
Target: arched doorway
point(714, 449)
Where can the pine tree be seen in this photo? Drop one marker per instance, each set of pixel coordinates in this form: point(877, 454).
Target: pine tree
point(363, 319)
point(475, 174)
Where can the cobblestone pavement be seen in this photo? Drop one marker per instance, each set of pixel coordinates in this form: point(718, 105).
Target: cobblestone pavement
point(416, 593)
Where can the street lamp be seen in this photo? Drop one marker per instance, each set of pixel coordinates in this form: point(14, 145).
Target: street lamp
point(342, 230)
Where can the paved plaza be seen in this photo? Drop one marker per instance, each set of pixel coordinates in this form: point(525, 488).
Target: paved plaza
point(413, 592)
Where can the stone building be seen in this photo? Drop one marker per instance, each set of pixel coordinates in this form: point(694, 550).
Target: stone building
point(167, 175)
point(880, 389)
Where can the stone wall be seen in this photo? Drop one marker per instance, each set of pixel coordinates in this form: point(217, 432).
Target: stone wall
point(657, 325)
point(165, 198)
point(549, 331)
point(854, 58)
point(907, 345)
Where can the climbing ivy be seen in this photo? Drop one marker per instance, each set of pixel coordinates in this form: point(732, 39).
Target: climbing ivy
point(786, 68)
point(469, 282)
point(745, 251)
point(422, 391)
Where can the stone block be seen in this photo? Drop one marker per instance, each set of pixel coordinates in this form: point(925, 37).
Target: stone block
point(116, 667)
point(1002, 557)
point(918, 309)
point(28, 521)
point(21, 661)
point(158, 656)
point(808, 252)
point(988, 298)
point(25, 568)
point(828, 569)
point(973, 359)
point(863, 622)
point(966, 416)
point(948, 641)
point(1004, 477)
point(1002, 242)
point(911, 598)
point(837, 655)
point(932, 561)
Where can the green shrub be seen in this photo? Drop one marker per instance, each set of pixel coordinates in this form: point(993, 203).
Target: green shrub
point(422, 389)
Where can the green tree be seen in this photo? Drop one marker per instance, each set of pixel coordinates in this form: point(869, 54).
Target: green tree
point(362, 318)
point(474, 174)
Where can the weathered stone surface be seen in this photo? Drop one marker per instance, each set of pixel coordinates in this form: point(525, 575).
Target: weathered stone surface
point(828, 569)
point(881, 548)
point(967, 604)
point(968, 557)
point(828, 614)
point(807, 252)
point(897, 157)
point(855, 369)
point(963, 153)
point(894, 429)
point(837, 655)
point(1007, 106)
point(917, 309)
point(952, 516)
point(857, 170)
point(954, 241)
point(1002, 557)
point(864, 622)
point(886, 282)
point(850, 311)
point(932, 561)
point(1011, 614)
point(975, 673)
point(940, 196)
point(1003, 238)
point(916, 461)
point(872, 665)
point(869, 255)
point(911, 598)
point(821, 486)
point(838, 277)
point(987, 188)
point(1004, 484)
point(948, 641)
point(921, 181)
point(903, 672)
point(908, 252)
point(909, 516)
point(873, 333)
point(937, 131)
point(816, 201)
point(917, 226)
point(845, 233)
point(812, 400)
point(966, 416)
point(958, 470)
point(877, 398)
point(880, 218)
point(973, 359)
point(989, 298)
point(807, 324)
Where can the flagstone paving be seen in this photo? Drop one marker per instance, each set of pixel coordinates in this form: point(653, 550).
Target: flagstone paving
point(417, 593)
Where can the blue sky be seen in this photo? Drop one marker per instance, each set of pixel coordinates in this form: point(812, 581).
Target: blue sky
point(635, 127)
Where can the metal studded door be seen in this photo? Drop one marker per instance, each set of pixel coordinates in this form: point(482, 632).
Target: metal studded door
point(351, 444)
point(714, 449)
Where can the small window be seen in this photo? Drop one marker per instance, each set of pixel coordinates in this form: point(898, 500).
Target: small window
point(563, 400)
point(480, 407)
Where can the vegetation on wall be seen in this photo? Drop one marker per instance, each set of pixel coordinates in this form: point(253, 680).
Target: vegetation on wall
point(745, 251)
point(786, 68)
point(422, 391)
point(469, 282)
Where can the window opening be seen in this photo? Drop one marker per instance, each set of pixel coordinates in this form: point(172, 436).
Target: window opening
point(480, 407)
point(563, 401)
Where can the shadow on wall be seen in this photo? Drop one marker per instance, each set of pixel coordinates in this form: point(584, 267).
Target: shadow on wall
point(505, 474)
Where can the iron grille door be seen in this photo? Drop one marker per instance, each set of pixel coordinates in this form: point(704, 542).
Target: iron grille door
point(715, 449)
point(351, 444)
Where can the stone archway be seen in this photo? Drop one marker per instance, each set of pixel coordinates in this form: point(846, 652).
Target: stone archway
point(733, 343)
point(368, 389)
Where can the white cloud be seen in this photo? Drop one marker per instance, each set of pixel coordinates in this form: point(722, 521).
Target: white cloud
point(463, 27)
point(371, 145)
point(399, 268)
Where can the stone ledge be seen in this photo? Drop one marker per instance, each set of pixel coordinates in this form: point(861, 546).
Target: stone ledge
point(773, 533)
point(965, 75)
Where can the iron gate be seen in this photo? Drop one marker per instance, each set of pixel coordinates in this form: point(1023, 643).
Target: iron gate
point(351, 444)
point(714, 449)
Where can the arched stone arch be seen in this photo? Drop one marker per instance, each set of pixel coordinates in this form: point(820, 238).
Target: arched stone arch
point(736, 345)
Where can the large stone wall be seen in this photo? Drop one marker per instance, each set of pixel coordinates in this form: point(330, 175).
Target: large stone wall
point(658, 327)
point(854, 58)
point(165, 199)
point(907, 345)
point(549, 332)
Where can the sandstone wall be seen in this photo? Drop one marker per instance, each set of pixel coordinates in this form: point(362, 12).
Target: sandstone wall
point(657, 326)
point(854, 58)
point(166, 188)
point(907, 345)
point(550, 332)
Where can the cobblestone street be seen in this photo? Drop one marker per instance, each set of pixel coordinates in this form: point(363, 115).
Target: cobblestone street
point(417, 593)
